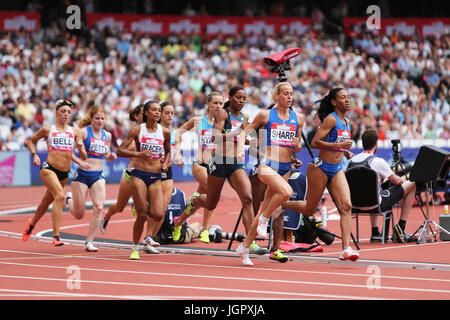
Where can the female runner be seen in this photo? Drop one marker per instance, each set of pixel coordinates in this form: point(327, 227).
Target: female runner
point(333, 139)
point(152, 144)
point(282, 127)
point(97, 143)
point(204, 127)
point(54, 172)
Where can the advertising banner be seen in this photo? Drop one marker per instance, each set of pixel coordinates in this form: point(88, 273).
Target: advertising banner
point(14, 169)
point(11, 21)
point(405, 26)
point(202, 25)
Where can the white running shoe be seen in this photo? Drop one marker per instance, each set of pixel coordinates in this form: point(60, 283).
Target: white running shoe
point(89, 247)
point(149, 240)
point(349, 254)
point(263, 222)
point(276, 213)
point(68, 196)
point(244, 253)
point(150, 249)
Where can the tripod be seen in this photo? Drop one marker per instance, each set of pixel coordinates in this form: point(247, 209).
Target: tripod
point(426, 226)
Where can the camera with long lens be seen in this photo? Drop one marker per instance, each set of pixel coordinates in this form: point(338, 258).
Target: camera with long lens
point(396, 149)
point(400, 166)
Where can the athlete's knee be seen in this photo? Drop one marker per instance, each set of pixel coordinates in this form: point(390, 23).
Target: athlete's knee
point(247, 200)
point(346, 207)
point(309, 211)
point(97, 208)
point(211, 206)
point(286, 193)
point(59, 198)
point(157, 215)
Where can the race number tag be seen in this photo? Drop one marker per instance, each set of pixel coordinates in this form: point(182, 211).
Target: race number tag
point(206, 140)
point(342, 135)
point(98, 147)
point(156, 146)
point(235, 125)
point(282, 134)
point(62, 141)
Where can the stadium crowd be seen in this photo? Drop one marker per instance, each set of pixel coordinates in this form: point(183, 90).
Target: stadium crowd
point(399, 85)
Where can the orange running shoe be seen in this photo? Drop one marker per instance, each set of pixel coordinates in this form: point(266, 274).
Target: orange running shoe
point(57, 242)
point(27, 233)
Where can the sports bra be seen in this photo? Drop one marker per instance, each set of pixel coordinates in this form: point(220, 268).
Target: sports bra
point(61, 141)
point(153, 141)
point(96, 148)
point(281, 132)
point(205, 135)
point(233, 123)
point(340, 133)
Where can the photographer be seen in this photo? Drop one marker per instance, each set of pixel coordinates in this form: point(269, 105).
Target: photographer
point(402, 190)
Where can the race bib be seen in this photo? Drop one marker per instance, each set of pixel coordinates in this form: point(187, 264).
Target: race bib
point(282, 134)
point(206, 142)
point(156, 146)
point(235, 125)
point(343, 135)
point(62, 141)
point(98, 147)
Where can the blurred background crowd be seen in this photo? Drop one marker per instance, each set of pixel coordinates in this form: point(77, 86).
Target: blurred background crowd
point(398, 84)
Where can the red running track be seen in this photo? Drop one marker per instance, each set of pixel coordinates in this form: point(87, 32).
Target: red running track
point(37, 270)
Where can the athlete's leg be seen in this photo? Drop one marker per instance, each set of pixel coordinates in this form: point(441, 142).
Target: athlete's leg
point(317, 181)
point(152, 225)
point(50, 179)
point(200, 174)
point(122, 199)
point(140, 196)
point(98, 195)
point(77, 204)
point(278, 189)
point(341, 193)
point(240, 182)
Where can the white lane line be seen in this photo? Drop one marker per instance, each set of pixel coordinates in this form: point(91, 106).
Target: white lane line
point(253, 280)
point(179, 287)
point(201, 266)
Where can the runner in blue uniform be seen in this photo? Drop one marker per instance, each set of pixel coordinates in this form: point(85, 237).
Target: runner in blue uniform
point(89, 176)
point(333, 139)
point(282, 128)
point(124, 193)
point(204, 127)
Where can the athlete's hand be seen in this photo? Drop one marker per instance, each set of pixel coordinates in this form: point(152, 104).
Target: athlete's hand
point(79, 142)
point(146, 154)
point(36, 160)
point(84, 165)
point(178, 159)
point(347, 144)
point(348, 154)
point(111, 156)
point(297, 163)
